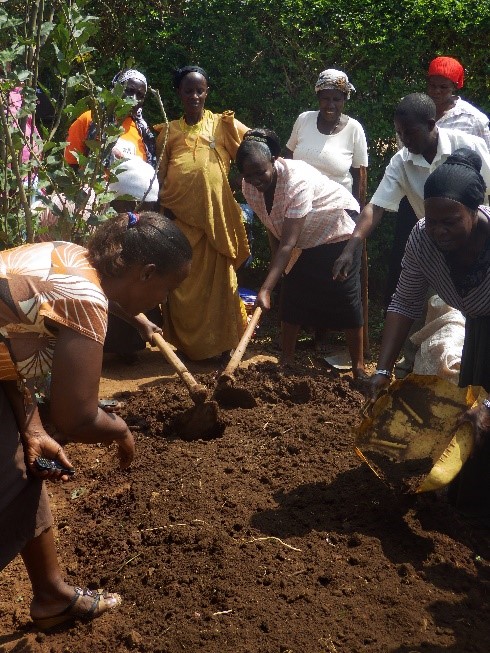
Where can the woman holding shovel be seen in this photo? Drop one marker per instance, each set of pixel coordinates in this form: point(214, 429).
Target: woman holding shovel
point(303, 209)
point(449, 250)
point(53, 317)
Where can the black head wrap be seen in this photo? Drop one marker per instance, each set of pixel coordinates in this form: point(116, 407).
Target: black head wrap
point(458, 179)
point(180, 73)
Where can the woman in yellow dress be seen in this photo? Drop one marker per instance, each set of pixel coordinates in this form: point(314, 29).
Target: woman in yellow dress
point(205, 316)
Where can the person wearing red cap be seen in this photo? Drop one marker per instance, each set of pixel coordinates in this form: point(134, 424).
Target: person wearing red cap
point(445, 76)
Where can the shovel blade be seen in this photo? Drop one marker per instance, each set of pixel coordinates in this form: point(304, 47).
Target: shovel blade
point(199, 422)
point(230, 396)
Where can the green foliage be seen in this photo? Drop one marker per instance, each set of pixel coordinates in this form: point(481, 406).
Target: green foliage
point(33, 173)
point(264, 56)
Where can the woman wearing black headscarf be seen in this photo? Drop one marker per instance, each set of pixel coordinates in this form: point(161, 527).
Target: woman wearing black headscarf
point(449, 250)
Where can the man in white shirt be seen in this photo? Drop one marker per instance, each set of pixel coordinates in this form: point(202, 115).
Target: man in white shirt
point(426, 146)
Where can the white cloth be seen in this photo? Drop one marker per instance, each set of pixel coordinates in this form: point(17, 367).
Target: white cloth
point(302, 191)
point(133, 178)
point(406, 173)
point(333, 155)
point(467, 118)
point(441, 341)
point(334, 79)
point(125, 75)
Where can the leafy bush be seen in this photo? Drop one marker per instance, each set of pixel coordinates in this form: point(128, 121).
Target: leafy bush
point(263, 57)
point(33, 173)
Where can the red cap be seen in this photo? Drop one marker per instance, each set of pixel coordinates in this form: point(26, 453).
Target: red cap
point(449, 68)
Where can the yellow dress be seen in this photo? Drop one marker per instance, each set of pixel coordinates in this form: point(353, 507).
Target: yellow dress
point(204, 316)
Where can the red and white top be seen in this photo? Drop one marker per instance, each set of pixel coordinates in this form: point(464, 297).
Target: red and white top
point(302, 190)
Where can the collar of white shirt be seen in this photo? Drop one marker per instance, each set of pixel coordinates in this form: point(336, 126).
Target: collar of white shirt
point(444, 148)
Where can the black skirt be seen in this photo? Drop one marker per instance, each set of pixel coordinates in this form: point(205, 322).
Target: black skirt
point(475, 359)
point(470, 490)
point(312, 298)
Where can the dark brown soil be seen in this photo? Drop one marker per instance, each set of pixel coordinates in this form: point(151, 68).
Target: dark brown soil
point(402, 477)
point(269, 538)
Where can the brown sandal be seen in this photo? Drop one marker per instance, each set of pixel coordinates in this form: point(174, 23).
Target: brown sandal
point(72, 612)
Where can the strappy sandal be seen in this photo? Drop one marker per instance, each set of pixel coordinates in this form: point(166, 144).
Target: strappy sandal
point(73, 611)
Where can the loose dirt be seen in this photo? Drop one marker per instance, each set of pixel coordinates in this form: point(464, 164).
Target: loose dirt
point(271, 537)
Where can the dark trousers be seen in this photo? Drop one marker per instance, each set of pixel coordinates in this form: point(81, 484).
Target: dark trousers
point(405, 222)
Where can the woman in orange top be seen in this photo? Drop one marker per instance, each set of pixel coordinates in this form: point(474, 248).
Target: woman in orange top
point(136, 140)
point(136, 143)
point(53, 317)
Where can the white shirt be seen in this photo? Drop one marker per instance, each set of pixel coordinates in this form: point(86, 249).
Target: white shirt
point(467, 118)
point(333, 155)
point(302, 191)
point(406, 173)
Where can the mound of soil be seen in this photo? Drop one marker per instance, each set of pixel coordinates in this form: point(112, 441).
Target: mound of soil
point(270, 537)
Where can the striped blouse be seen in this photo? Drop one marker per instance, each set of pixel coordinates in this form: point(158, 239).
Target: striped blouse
point(424, 266)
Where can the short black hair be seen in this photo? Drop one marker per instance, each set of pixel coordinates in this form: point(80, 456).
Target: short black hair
point(416, 106)
point(150, 238)
point(180, 73)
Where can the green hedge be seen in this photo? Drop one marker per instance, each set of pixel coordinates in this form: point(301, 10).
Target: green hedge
point(263, 57)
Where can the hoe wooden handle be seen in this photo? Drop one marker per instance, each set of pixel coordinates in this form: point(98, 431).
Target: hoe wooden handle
point(242, 345)
point(197, 391)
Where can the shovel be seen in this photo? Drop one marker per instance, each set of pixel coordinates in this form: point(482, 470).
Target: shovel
point(226, 393)
point(199, 421)
point(411, 437)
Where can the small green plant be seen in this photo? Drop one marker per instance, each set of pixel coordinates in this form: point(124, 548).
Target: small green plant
point(35, 180)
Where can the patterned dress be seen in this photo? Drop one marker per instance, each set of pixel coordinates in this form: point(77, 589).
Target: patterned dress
point(48, 280)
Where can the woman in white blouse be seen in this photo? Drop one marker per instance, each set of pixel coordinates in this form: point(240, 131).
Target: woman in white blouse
point(445, 77)
point(332, 142)
point(329, 140)
point(303, 209)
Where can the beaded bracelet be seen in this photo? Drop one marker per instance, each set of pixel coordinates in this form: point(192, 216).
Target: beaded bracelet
point(486, 403)
point(386, 373)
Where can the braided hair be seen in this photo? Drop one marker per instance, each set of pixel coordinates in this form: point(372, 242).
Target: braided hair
point(145, 238)
point(258, 143)
point(458, 179)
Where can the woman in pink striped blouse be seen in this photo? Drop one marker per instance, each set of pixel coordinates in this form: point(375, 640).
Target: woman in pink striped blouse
point(303, 209)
